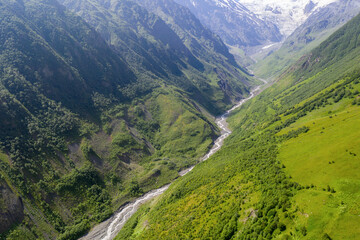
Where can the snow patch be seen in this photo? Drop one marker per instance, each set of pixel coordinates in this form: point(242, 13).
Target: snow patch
point(286, 14)
point(268, 46)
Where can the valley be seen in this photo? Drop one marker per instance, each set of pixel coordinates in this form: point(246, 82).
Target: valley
point(110, 228)
point(286, 171)
point(108, 127)
point(81, 138)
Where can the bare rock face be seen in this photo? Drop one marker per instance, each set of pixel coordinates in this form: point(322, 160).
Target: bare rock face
point(328, 18)
point(309, 7)
point(11, 208)
point(236, 24)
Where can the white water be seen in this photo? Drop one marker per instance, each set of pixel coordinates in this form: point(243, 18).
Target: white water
point(111, 227)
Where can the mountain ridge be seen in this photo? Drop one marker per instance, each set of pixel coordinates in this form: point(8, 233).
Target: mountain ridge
point(203, 53)
point(228, 23)
point(319, 26)
point(289, 14)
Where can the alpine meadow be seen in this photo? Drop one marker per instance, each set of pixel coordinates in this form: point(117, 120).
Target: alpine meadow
point(178, 119)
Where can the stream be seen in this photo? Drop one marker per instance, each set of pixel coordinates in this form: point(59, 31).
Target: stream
point(108, 229)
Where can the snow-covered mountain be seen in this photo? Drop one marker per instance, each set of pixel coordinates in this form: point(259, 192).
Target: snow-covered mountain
point(231, 4)
point(251, 23)
point(286, 14)
point(317, 28)
point(236, 24)
point(256, 28)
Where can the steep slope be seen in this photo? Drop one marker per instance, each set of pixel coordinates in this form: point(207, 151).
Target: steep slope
point(39, 71)
point(319, 26)
point(46, 86)
point(233, 22)
point(290, 168)
point(90, 120)
point(169, 49)
point(286, 15)
point(196, 37)
point(51, 47)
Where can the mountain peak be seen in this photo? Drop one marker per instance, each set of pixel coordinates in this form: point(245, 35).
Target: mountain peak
point(309, 7)
point(234, 22)
point(287, 14)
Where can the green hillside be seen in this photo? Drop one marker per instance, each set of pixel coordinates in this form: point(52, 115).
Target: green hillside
point(170, 43)
point(290, 169)
point(97, 111)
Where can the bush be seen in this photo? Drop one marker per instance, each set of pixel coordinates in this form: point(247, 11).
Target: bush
point(75, 232)
point(282, 227)
point(135, 190)
point(78, 179)
point(326, 237)
point(303, 230)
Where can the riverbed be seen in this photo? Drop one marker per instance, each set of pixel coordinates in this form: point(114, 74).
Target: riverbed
point(108, 229)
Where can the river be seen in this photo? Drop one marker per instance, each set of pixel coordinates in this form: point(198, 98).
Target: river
point(108, 229)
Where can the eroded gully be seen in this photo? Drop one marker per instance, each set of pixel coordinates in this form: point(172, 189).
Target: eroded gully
point(108, 229)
